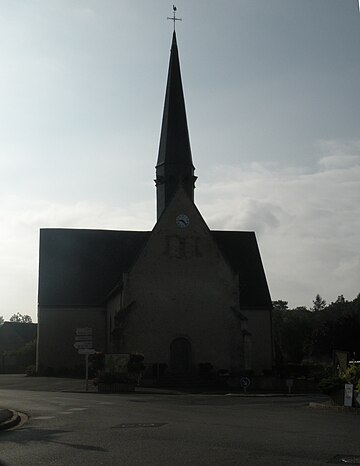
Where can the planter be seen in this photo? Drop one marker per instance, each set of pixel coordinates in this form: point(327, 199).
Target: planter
point(116, 387)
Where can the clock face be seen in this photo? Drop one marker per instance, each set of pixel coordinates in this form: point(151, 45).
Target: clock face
point(182, 221)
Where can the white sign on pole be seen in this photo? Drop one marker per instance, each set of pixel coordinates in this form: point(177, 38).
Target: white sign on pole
point(83, 345)
point(86, 351)
point(83, 338)
point(84, 331)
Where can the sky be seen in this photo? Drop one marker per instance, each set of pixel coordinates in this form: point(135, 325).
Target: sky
point(272, 90)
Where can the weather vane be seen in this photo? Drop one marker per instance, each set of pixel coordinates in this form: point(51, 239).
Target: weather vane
point(174, 18)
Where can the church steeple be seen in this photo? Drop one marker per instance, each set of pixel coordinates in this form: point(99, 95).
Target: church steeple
point(174, 163)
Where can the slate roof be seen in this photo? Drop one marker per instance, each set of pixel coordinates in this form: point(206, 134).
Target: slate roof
point(241, 250)
point(81, 267)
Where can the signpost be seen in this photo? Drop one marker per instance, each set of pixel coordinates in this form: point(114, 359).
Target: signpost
point(84, 345)
point(86, 351)
point(83, 337)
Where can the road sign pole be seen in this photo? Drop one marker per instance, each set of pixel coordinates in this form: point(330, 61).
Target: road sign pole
point(87, 371)
point(84, 345)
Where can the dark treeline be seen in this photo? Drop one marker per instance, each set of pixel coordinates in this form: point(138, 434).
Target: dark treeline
point(23, 318)
point(311, 335)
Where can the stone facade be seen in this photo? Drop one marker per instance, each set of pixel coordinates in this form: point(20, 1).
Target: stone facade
point(182, 287)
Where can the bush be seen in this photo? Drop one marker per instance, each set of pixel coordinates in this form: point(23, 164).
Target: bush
point(352, 375)
point(331, 384)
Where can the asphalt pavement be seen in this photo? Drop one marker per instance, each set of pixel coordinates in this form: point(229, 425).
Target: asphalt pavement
point(67, 428)
point(10, 418)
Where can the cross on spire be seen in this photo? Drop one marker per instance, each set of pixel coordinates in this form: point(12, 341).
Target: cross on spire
point(174, 18)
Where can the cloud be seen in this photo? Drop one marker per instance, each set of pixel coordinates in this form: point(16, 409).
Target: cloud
point(307, 222)
point(339, 161)
point(339, 154)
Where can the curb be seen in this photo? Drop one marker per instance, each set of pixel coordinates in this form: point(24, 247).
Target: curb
point(271, 395)
point(9, 419)
point(342, 409)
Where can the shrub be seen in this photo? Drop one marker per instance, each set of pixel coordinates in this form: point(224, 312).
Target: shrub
point(331, 384)
point(351, 375)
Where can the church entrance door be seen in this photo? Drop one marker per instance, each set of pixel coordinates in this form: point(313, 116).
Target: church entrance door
point(180, 356)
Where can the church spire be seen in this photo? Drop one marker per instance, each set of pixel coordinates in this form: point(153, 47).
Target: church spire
point(174, 163)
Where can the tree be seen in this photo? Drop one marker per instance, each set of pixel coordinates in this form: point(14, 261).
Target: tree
point(337, 327)
point(319, 304)
point(25, 319)
point(296, 330)
point(340, 299)
point(300, 334)
point(280, 305)
point(279, 312)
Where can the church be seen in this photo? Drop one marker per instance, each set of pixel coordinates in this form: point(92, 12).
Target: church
point(184, 296)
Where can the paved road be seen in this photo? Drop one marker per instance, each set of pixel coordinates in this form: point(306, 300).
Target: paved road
point(66, 429)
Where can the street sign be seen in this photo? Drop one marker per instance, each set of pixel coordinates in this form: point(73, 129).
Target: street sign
point(245, 382)
point(83, 345)
point(86, 351)
point(83, 338)
point(84, 331)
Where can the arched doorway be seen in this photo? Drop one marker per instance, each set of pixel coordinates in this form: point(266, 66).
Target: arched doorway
point(180, 356)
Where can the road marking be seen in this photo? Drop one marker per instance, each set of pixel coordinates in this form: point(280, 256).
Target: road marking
point(43, 417)
point(66, 412)
point(78, 409)
point(139, 424)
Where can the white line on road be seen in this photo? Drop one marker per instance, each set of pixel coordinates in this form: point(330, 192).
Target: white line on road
point(78, 409)
point(43, 417)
